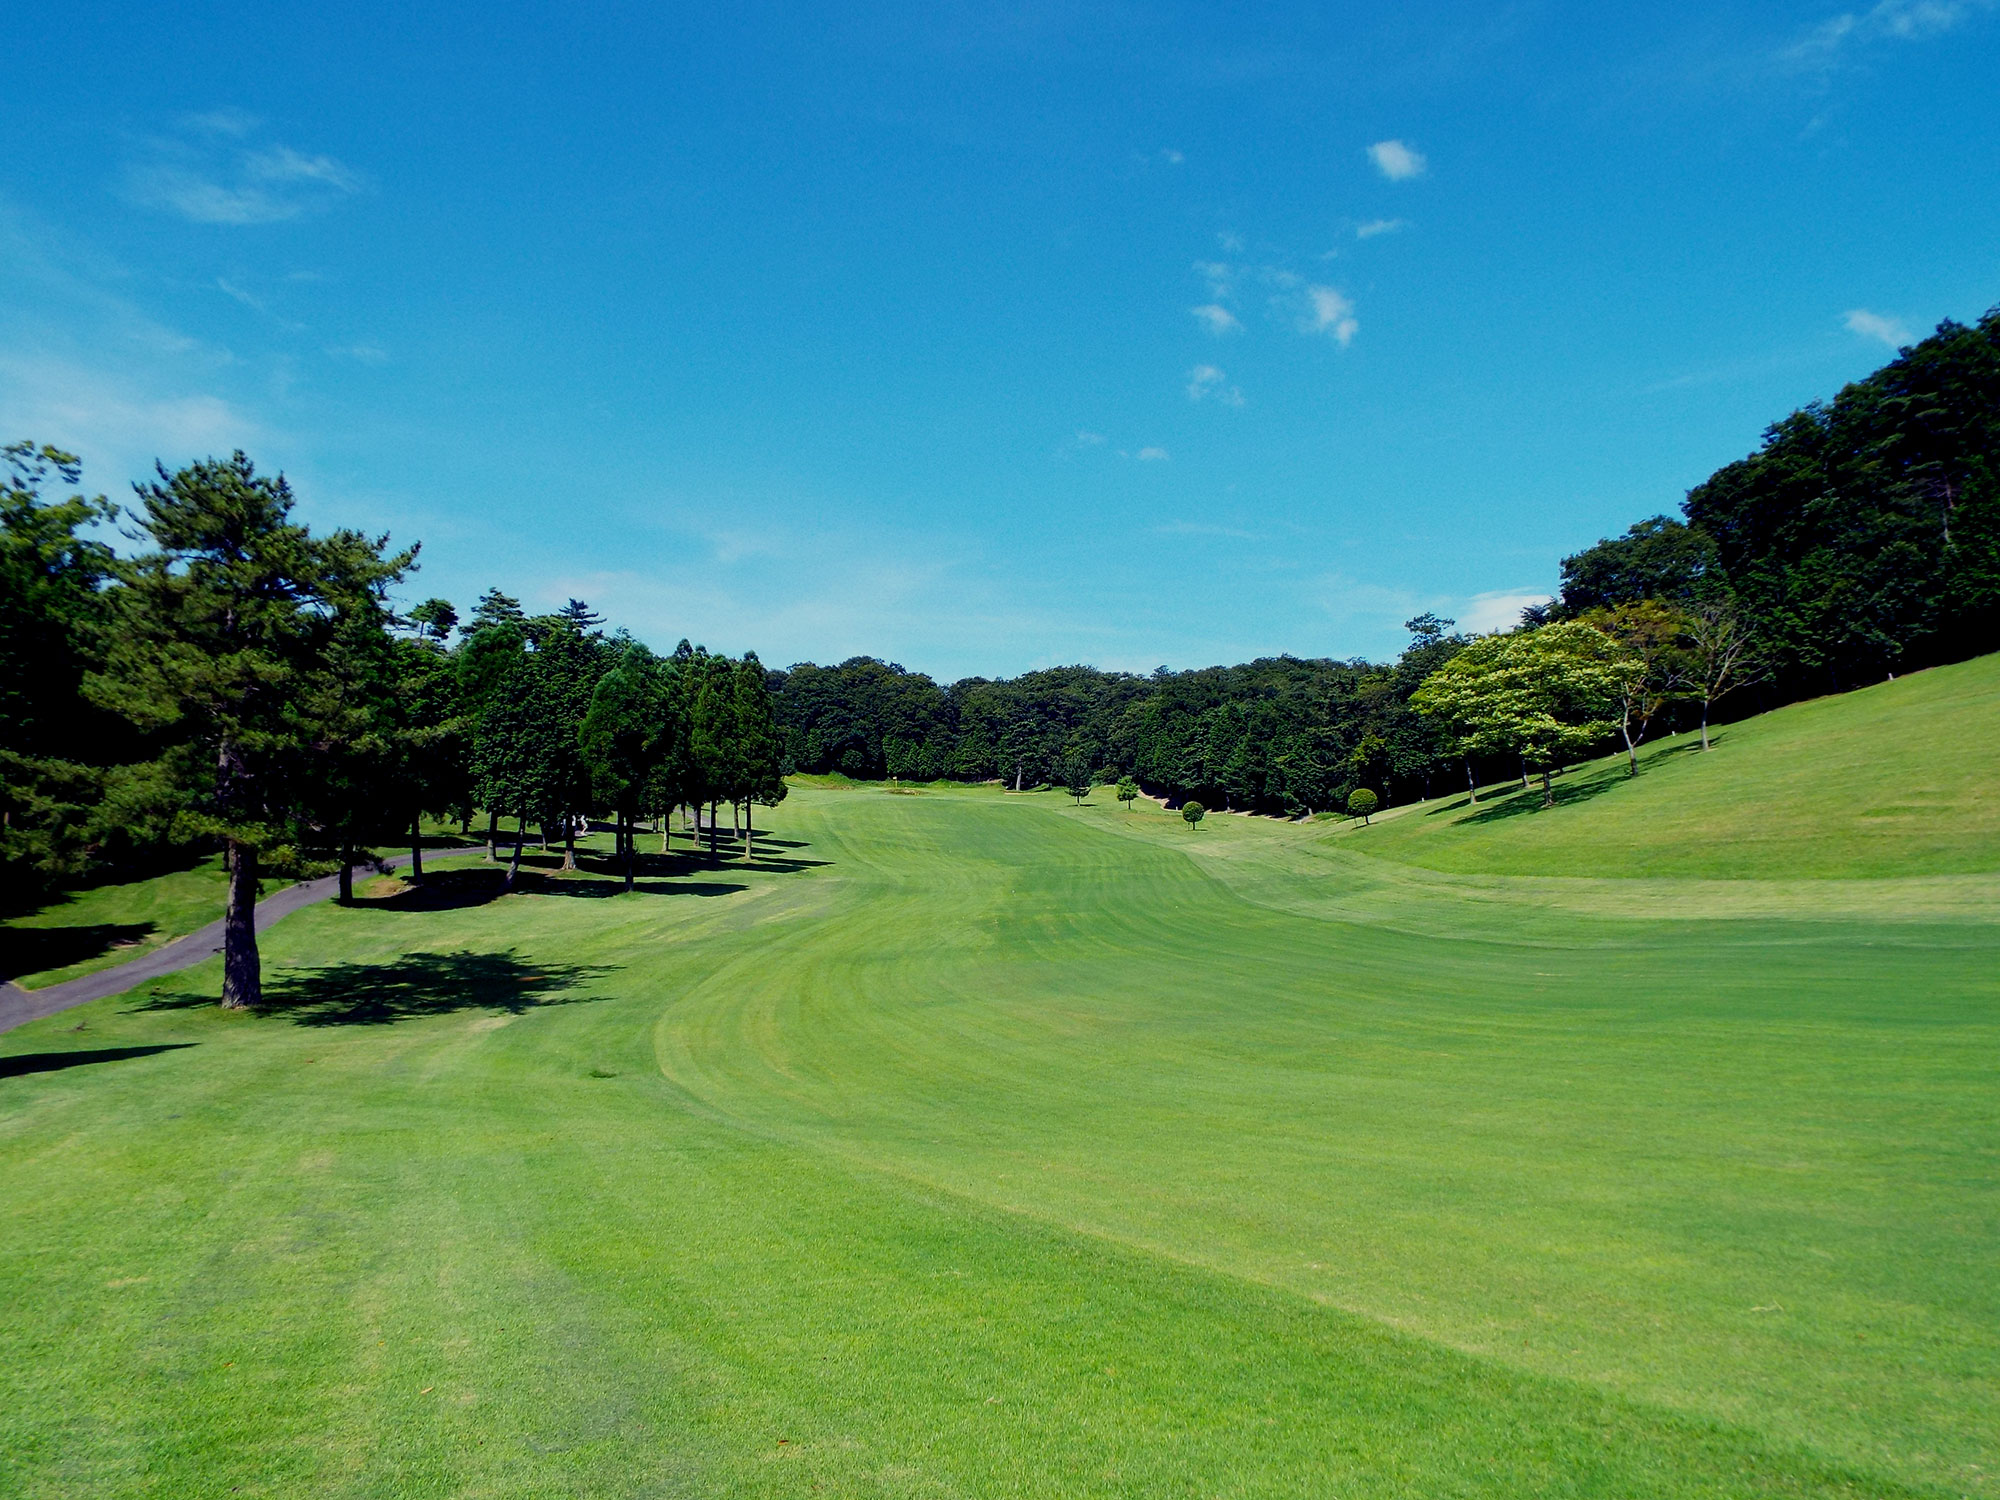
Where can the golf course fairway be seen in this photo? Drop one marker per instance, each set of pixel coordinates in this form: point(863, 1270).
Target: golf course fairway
point(971, 1144)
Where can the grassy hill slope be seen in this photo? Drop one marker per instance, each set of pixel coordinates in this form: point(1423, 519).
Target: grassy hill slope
point(1891, 780)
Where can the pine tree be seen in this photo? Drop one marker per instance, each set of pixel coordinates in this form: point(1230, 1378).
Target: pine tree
point(221, 656)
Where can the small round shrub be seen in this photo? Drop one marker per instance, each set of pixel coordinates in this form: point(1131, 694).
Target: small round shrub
point(1193, 812)
point(1361, 802)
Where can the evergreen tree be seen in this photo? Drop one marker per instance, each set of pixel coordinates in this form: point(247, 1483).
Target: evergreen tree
point(53, 611)
point(221, 642)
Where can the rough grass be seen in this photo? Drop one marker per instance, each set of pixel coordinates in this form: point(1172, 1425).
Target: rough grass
point(980, 1145)
point(1892, 780)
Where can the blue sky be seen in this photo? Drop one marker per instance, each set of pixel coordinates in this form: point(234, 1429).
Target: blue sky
point(982, 338)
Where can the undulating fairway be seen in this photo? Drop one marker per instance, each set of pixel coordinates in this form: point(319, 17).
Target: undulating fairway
point(982, 1145)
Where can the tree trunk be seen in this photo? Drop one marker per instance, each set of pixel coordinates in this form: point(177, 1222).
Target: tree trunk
point(1471, 785)
point(1631, 751)
point(1704, 723)
point(631, 845)
point(749, 832)
point(1548, 790)
point(714, 832)
point(1017, 776)
point(416, 848)
point(492, 836)
point(1524, 773)
point(666, 822)
point(569, 842)
point(346, 875)
point(520, 838)
point(242, 974)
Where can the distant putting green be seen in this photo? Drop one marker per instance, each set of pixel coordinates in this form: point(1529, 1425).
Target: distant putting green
point(981, 1145)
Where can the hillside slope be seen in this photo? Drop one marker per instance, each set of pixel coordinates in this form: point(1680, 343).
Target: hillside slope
point(1898, 779)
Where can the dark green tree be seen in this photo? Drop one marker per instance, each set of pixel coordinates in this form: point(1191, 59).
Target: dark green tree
point(221, 642)
point(1193, 812)
point(620, 739)
point(53, 612)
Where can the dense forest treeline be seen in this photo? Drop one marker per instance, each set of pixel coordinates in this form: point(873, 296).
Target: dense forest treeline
point(241, 683)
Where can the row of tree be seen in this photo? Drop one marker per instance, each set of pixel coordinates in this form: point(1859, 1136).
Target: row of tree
point(240, 682)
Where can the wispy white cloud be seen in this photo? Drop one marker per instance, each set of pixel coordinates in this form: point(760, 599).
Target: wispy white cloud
point(1330, 313)
point(361, 354)
point(1374, 227)
point(1871, 325)
point(1207, 381)
point(1823, 47)
point(1216, 318)
point(1498, 610)
point(120, 422)
point(212, 177)
point(1397, 160)
point(1152, 455)
point(1090, 440)
point(1220, 278)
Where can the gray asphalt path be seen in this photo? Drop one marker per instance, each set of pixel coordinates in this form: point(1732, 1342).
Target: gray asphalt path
point(18, 1005)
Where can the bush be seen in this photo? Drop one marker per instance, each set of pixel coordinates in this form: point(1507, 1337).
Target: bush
point(1193, 812)
point(1361, 802)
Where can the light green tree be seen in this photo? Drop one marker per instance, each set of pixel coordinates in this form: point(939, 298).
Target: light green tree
point(1128, 792)
point(1361, 803)
point(1546, 695)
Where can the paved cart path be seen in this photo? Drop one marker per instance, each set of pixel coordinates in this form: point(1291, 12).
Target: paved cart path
point(18, 1006)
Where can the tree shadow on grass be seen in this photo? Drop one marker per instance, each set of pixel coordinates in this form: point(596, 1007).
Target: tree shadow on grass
point(53, 1062)
point(1528, 803)
point(414, 985)
point(36, 950)
point(426, 984)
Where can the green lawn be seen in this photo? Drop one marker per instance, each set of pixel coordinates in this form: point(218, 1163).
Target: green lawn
point(980, 1145)
point(1892, 780)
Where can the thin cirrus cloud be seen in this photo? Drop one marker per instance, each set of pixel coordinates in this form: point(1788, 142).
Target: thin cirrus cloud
point(1397, 160)
point(1872, 325)
point(1216, 318)
point(1151, 455)
point(1206, 382)
point(1822, 48)
point(210, 176)
point(1374, 227)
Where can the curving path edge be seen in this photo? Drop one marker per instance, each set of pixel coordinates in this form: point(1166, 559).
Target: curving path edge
point(19, 1006)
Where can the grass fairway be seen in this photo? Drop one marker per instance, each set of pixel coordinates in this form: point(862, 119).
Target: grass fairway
point(979, 1145)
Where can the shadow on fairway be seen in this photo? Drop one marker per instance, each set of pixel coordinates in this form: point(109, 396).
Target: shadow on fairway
point(417, 984)
point(424, 984)
point(36, 950)
point(55, 1062)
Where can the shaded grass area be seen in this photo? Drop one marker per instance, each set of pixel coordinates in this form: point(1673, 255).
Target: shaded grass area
point(1888, 781)
point(98, 926)
point(984, 1149)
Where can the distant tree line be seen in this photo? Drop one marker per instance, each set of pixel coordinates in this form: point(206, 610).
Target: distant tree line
point(243, 684)
point(1861, 539)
